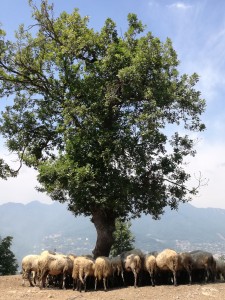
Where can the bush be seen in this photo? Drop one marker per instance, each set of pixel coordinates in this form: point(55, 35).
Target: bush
point(8, 263)
point(123, 238)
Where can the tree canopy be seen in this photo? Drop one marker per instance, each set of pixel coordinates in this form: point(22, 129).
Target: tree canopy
point(99, 116)
point(8, 263)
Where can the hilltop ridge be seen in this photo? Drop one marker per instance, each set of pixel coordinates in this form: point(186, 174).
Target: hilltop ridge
point(36, 226)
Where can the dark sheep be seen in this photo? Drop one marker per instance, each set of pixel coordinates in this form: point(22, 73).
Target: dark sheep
point(204, 266)
point(186, 265)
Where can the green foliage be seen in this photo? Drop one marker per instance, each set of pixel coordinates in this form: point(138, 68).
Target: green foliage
point(5, 170)
point(91, 113)
point(123, 238)
point(8, 264)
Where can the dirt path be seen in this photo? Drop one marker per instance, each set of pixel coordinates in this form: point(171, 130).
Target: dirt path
point(11, 289)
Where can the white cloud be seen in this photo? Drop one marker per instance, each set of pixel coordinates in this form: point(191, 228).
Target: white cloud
point(179, 5)
point(153, 3)
point(210, 161)
point(20, 189)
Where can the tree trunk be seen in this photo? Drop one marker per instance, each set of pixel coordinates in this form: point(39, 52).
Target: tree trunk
point(105, 227)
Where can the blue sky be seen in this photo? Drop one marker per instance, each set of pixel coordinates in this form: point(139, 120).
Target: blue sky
point(197, 30)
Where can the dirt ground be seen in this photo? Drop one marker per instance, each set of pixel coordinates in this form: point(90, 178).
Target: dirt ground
point(11, 289)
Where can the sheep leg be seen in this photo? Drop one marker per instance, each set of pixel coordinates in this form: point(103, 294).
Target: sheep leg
point(175, 278)
point(212, 274)
point(29, 278)
point(190, 277)
point(207, 275)
point(223, 276)
point(135, 278)
point(43, 277)
point(96, 280)
point(35, 278)
point(61, 281)
point(39, 277)
point(78, 288)
point(152, 278)
point(74, 284)
point(123, 278)
point(85, 283)
point(64, 282)
point(104, 283)
point(23, 277)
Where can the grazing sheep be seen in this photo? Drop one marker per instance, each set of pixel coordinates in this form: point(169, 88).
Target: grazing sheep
point(57, 264)
point(133, 261)
point(117, 267)
point(83, 267)
point(204, 265)
point(29, 266)
point(168, 260)
point(220, 269)
point(150, 266)
point(186, 264)
point(103, 269)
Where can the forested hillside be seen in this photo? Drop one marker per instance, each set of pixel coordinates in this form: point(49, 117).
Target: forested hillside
point(37, 226)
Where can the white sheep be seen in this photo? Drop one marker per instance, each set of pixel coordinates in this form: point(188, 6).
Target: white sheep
point(133, 261)
point(150, 266)
point(168, 260)
point(83, 267)
point(57, 264)
point(103, 269)
point(29, 266)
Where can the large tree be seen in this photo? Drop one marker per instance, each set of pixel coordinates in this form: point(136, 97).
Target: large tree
point(99, 116)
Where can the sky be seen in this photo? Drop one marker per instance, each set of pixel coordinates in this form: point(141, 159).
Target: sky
point(197, 31)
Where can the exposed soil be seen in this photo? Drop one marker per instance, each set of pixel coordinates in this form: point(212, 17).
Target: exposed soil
point(11, 289)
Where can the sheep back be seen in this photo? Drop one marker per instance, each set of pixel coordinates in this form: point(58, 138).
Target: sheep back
point(150, 263)
point(103, 267)
point(168, 259)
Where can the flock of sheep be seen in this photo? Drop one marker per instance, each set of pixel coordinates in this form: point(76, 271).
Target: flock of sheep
point(131, 267)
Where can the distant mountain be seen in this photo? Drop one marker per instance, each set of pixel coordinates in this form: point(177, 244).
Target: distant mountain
point(37, 226)
point(186, 229)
